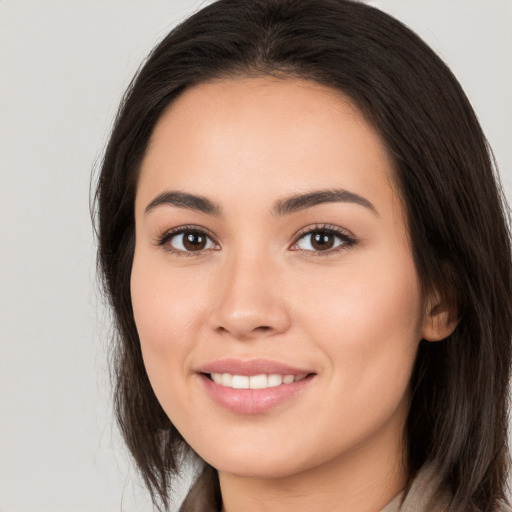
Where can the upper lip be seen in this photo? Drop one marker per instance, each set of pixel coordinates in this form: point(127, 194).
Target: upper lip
point(251, 367)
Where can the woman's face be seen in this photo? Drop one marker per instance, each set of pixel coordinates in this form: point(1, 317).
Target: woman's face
point(271, 246)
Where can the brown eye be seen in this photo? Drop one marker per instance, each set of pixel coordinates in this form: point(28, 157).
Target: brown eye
point(189, 241)
point(194, 241)
point(323, 240)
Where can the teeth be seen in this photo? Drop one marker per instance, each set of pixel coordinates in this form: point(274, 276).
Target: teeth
point(258, 382)
point(254, 381)
point(227, 380)
point(275, 380)
point(240, 382)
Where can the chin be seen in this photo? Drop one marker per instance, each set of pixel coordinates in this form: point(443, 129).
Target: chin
point(263, 469)
point(254, 462)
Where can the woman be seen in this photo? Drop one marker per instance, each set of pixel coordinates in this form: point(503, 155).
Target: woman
point(306, 250)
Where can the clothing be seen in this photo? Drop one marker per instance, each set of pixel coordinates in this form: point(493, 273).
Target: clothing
point(420, 497)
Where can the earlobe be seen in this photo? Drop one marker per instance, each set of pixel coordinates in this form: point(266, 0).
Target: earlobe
point(440, 320)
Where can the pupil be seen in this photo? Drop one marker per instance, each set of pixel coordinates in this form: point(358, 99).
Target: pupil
point(323, 241)
point(194, 241)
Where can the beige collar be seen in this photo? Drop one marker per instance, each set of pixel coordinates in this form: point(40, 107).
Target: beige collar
point(422, 496)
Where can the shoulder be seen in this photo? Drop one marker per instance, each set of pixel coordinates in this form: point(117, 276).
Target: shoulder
point(425, 495)
point(504, 507)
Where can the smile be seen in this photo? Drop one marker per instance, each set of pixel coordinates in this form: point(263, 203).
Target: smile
point(261, 381)
point(253, 386)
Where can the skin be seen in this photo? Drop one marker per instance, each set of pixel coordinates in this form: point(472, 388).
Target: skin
point(354, 316)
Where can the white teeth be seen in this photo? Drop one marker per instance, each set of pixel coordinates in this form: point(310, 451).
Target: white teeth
point(217, 377)
point(227, 380)
point(274, 380)
point(258, 382)
point(240, 382)
point(261, 381)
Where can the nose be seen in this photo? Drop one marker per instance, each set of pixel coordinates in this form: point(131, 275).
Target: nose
point(249, 302)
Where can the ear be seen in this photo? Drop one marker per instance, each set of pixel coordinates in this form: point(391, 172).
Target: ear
point(440, 318)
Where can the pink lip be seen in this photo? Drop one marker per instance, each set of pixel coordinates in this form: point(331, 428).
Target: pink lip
point(251, 367)
point(252, 401)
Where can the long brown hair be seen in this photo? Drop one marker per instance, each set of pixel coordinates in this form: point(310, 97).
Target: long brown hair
point(448, 183)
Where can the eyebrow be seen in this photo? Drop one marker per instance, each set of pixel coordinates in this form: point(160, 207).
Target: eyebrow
point(282, 207)
point(299, 202)
point(184, 200)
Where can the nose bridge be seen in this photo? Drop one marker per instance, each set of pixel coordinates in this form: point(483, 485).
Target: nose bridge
point(248, 301)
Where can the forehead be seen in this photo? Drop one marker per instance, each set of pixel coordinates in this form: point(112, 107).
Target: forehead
point(264, 137)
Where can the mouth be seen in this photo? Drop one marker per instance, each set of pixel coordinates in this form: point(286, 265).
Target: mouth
point(254, 386)
point(260, 381)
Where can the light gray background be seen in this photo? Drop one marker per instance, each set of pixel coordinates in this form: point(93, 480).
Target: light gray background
point(63, 67)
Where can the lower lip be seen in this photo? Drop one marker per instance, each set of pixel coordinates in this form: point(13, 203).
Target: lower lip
point(253, 401)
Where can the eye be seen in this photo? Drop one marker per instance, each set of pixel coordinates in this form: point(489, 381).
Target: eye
point(323, 239)
point(186, 240)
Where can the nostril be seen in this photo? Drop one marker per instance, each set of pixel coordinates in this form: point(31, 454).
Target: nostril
point(246, 322)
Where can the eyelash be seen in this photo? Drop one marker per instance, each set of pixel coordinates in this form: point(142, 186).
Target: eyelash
point(171, 233)
point(347, 240)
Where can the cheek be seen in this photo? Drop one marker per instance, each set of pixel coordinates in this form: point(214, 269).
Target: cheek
point(366, 319)
point(165, 312)
point(382, 310)
point(166, 305)
point(164, 320)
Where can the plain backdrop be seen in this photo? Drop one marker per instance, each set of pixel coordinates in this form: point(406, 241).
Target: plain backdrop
point(63, 68)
